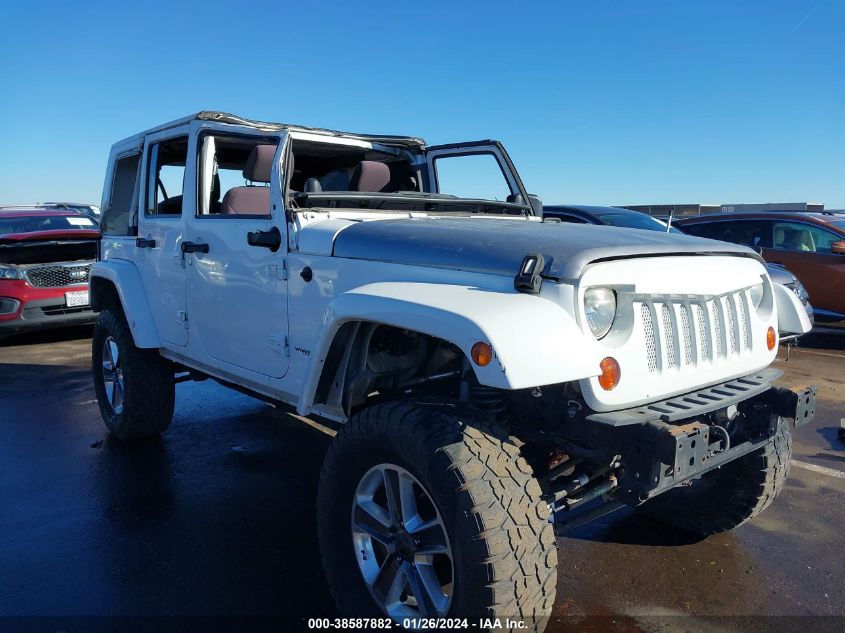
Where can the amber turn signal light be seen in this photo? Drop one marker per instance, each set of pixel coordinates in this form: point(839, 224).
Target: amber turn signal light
point(771, 338)
point(610, 373)
point(482, 354)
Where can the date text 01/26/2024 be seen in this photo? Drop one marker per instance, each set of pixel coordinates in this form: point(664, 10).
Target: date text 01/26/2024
point(351, 624)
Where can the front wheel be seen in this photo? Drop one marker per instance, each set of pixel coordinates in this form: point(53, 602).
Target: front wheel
point(135, 387)
point(422, 515)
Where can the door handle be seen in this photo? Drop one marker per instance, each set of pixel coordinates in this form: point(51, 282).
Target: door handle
point(271, 239)
point(194, 247)
point(144, 243)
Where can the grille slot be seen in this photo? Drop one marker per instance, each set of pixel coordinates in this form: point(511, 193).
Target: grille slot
point(743, 321)
point(733, 330)
point(703, 339)
point(650, 343)
point(57, 276)
point(57, 311)
point(718, 328)
point(668, 335)
point(689, 353)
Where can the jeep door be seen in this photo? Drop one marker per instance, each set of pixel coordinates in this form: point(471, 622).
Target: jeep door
point(168, 186)
point(236, 241)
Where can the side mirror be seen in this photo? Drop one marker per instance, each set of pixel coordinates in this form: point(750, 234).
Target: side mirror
point(537, 204)
point(838, 248)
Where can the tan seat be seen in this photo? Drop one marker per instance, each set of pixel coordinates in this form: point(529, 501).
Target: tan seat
point(370, 176)
point(252, 199)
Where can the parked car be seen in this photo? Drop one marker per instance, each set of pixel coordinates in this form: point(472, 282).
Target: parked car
point(45, 259)
point(610, 216)
point(810, 245)
point(367, 280)
point(614, 216)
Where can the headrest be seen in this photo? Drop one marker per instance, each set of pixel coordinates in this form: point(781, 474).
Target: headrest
point(260, 163)
point(370, 176)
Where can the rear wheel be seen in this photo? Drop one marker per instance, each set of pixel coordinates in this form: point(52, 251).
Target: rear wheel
point(135, 387)
point(725, 498)
point(423, 513)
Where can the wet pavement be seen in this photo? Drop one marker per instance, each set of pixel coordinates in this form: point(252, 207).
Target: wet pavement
point(217, 517)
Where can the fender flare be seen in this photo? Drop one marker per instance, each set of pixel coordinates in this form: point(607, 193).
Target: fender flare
point(792, 317)
point(535, 342)
point(126, 279)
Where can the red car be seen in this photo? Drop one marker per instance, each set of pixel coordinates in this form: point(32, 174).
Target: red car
point(45, 258)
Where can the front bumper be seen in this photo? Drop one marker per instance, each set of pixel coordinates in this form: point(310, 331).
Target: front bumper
point(46, 313)
point(663, 444)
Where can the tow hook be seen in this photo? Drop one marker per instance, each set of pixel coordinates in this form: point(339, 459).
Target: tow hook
point(800, 406)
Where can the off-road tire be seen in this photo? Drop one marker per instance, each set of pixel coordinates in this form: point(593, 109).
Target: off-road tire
point(504, 550)
point(149, 387)
point(732, 494)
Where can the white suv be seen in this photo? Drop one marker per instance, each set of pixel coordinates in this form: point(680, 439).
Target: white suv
point(499, 377)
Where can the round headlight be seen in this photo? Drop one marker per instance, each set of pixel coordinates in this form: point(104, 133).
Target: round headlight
point(757, 295)
point(600, 310)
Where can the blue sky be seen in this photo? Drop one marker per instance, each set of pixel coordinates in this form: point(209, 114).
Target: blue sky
point(598, 102)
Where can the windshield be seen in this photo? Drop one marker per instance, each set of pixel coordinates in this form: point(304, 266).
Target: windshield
point(35, 223)
point(636, 220)
point(382, 177)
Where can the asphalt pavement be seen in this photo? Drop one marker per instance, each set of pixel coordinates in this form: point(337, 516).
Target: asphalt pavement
point(216, 518)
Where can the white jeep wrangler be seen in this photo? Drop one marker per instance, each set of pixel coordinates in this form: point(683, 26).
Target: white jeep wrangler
point(499, 377)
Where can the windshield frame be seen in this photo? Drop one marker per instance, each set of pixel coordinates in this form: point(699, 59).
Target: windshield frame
point(419, 201)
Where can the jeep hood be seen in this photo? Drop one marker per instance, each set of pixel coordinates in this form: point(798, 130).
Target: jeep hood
point(498, 246)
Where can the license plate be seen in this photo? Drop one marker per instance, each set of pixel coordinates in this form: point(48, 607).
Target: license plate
point(76, 299)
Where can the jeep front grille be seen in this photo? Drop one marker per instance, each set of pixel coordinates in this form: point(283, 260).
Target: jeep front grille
point(58, 275)
point(684, 333)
